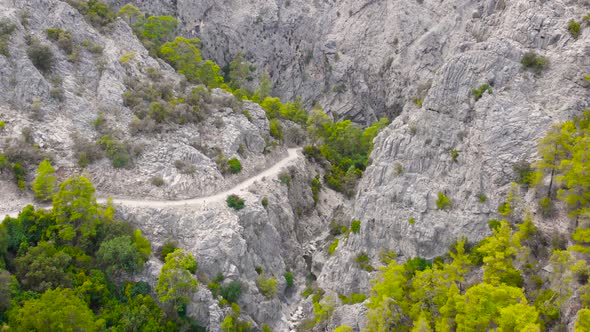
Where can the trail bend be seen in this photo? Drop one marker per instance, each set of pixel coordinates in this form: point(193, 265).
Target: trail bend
point(292, 155)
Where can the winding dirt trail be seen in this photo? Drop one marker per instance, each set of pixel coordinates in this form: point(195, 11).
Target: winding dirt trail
point(273, 171)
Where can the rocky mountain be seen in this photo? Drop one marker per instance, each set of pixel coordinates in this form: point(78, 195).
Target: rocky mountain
point(413, 158)
point(466, 110)
point(367, 59)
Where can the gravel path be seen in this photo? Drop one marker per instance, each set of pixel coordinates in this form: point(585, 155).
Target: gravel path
point(292, 155)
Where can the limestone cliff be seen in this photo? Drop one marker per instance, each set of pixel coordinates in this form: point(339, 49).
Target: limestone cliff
point(415, 62)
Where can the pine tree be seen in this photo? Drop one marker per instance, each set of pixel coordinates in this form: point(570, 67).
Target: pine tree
point(176, 282)
point(583, 322)
point(45, 184)
point(500, 251)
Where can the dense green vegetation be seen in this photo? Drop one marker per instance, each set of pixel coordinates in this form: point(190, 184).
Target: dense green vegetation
point(71, 267)
point(96, 12)
point(344, 145)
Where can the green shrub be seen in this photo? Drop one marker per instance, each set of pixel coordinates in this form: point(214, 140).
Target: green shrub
point(99, 122)
point(336, 229)
point(168, 248)
point(2, 125)
point(58, 93)
point(276, 130)
point(482, 197)
point(443, 202)
point(307, 292)
point(126, 58)
point(546, 206)
point(416, 264)
point(247, 114)
point(264, 202)
point(19, 174)
point(231, 292)
point(316, 185)
point(267, 286)
point(91, 47)
point(185, 167)
point(411, 221)
point(494, 224)
point(339, 88)
point(478, 93)
point(222, 164)
point(235, 166)
point(505, 209)
point(41, 56)
point(534, 62)
point(63, 39)
point(363, 261)
point(353, 299)
point(574, 28)
point(235, 202)
point(355, 226)
point(454, 155)
point(285, 178)
point(357, 298)
point(117, 151)
point(289, 279)
point(3, 162)
point(85, 151)
point(417, 101)
point(157, 181)
point(120, 159)
point(158, 112)
point(312, 153)
point(258, 269)
point(333, 246)
point(548, 304)
point(6, 27)
point(524, 173)
point(398, 169)
point(95, 11)
point(6, 30)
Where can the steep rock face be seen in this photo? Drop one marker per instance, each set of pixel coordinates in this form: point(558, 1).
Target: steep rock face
point(366, 59)
point(412, 161)
point(275, 238)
